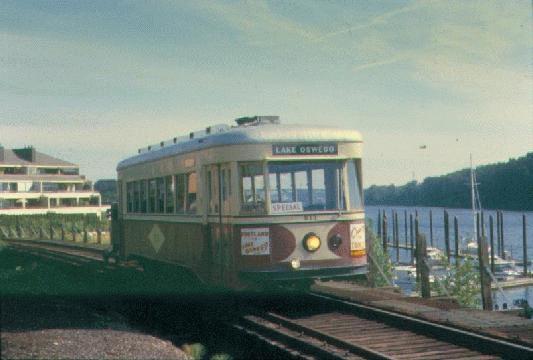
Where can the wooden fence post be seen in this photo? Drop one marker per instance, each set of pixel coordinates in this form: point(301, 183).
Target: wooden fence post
point(422, 269)
point(18, 228)
point(73, 233)
point(370, 255)
point(99, 236)
point(62, 232)
point(85, 236)
point(51, 231)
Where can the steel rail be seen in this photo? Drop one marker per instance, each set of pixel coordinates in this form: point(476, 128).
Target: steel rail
point(58, 245)
point(356, 349)
point(296, 345)
point(453, 335)
point(70, 253)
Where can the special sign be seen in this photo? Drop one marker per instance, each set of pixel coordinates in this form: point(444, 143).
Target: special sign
point(283, 208)
point(357, 239)
point(255, 241)
point(305, 149)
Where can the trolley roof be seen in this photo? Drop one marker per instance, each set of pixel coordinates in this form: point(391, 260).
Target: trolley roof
point(251, 134)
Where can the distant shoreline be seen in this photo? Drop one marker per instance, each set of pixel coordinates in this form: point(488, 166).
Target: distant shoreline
point(502, 186)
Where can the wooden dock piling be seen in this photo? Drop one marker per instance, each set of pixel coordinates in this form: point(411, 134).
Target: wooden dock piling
point(431, 227)
point(482, 224)
point(498, 233)
point(501, 235)
point(447, 234)
point(393, 228)
point(524, 244)
point(491, 233)
point(456, 238)
point(422, 269)
point(405, 225)
point(484, 277)
point(397, 237)
point(411, 238)
point(379, 223)
point(384, 233)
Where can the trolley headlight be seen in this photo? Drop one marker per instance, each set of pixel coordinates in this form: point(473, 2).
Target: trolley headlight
point(295, 263)
point(335, 241)
point(311, 242)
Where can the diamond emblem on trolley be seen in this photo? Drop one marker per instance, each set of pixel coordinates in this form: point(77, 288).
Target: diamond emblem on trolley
point(156, 237)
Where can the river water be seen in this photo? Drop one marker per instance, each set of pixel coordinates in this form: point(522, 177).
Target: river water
point(513, 235)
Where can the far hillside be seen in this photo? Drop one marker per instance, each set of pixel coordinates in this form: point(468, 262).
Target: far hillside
point(108, 189)
point(507, 185)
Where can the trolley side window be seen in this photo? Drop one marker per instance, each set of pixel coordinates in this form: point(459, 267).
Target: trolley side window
point(169, 195)
point(354, 183)
point(129, 196)
point(192, 186)
point(151, 195)
point(212, 190)
point(142, 193)
point(136, 197)
point(160, 182)
point(253, 188)
point(180, 193)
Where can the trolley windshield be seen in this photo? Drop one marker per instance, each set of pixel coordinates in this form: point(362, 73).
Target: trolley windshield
point(312, 186)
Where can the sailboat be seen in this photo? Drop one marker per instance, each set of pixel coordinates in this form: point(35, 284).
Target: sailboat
point(472, 246)
point(504, 269)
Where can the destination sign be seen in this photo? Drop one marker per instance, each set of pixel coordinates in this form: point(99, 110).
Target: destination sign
point(305, 149)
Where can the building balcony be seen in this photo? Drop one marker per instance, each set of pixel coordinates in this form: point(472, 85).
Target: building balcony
point(43, 178)
point(85, 209)
point(62, 194)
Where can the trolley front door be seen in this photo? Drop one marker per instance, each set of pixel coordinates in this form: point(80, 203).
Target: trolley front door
point(219, 205)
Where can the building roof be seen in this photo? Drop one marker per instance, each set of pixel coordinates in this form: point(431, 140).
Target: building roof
point(30, 157)
point(248, 135)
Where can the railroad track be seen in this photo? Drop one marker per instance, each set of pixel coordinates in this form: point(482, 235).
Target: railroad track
point(316, 326)
point(66, 253)
point(323, 327)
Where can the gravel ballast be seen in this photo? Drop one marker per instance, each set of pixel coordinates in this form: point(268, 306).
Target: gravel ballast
point(57, 329)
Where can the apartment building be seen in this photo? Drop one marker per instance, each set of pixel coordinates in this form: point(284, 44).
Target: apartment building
point(35, 183)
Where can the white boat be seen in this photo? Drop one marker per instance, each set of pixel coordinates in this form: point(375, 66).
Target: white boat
point(407, 273)
point(436, 257)
point(505, 269)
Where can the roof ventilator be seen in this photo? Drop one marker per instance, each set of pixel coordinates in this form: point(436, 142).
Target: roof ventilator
point(257, 120)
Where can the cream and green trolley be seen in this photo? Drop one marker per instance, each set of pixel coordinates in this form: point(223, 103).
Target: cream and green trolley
point(245, 204)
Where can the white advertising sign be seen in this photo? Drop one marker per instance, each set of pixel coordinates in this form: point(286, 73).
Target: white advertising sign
point(255, 241)
point(357, 236)
point(283, 208)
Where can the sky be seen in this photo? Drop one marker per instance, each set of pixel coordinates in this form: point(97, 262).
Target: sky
point(425, 82)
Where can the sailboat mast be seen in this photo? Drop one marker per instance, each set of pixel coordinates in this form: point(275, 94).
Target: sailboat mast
point(473, 194)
